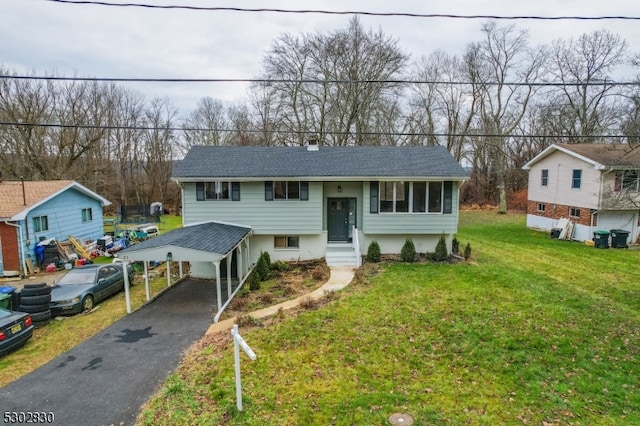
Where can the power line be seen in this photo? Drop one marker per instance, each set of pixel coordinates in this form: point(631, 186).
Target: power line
point(301, 132)
point(330, 12)
point(313, 81)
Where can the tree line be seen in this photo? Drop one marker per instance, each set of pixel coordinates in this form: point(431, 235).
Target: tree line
point(494, 107)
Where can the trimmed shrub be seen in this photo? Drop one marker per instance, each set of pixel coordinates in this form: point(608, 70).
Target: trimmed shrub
point(441, 249)
point(262, 267)
point(254, 281)
point(455, 246)
point(267, 258)
point(373, 252)
point(408, 253)
point(467, 251)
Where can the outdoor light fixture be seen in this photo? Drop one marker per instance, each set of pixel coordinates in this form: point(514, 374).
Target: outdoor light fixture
point(339, 188)
point(169, 257)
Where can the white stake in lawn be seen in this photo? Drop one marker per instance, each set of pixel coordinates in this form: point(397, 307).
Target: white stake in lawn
point(238, 342)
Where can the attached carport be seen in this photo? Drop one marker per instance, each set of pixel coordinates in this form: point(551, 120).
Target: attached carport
point(209, 243)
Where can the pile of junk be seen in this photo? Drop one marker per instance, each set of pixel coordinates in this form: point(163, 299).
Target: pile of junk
point(52, 255)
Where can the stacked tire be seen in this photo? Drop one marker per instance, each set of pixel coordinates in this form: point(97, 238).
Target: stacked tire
point(35, 299)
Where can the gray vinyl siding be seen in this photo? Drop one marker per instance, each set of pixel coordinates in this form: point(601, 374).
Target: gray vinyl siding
point(409, 223)
point(291, 217)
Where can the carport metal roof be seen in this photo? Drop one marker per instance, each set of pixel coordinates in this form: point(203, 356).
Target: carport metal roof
point(201, 242)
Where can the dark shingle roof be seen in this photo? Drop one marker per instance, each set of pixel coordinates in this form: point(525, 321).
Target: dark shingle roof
point(326, 162)
point(211, 237)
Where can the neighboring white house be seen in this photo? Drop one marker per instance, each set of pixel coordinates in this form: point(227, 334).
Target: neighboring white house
point(314, 202)
point(593, 185)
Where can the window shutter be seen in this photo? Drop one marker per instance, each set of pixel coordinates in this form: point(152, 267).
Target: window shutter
point(235, 191)
point(268, 190)
point(373, 197)
point(200, 191)
point(304, 191)
point(447, 206)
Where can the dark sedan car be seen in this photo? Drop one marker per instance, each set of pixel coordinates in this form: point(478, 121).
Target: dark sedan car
point(81, 288)
point(15, 329)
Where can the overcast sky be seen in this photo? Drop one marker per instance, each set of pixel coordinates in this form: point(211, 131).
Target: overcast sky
point(130, 42)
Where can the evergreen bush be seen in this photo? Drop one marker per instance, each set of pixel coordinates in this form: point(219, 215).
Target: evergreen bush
point(467, 251)
point(441, 249)
point(373, 252)
point(262, 267)
point(254, 281)
point(455, 246)
point(408, 253)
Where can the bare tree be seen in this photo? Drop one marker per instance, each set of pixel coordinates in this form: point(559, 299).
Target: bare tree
point(502, 57)
point(206, 125)
point(582, 108)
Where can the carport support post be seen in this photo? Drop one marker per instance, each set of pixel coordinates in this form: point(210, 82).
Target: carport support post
point(168, 273)
point(146, 279)
point(229, 275)
point(127, 296)
point(218, 288)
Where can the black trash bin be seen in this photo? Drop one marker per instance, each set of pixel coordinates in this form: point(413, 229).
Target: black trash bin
point(601, 239)
point(555, 232)
point(619, 238)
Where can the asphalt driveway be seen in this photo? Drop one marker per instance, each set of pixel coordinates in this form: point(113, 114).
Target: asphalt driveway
point(106, 379)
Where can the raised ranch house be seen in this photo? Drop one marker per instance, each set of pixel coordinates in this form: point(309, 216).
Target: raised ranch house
point(312, 202)
point(32, 211)
point(593, 185)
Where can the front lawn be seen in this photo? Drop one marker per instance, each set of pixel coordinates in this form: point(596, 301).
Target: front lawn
point(531, 331)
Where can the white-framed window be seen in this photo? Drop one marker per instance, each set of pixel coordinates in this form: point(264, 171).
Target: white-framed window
point(574, 212)
point(286, 190)
point(542, 207)
point(87, 215)
point(218, 190)
point(286, 242)
point(411, 197)
point(544, 177)
point(576, 179)
point(40, 224)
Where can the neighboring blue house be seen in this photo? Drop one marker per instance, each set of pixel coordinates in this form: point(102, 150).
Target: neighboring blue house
point(332, 202)
point(37, 210)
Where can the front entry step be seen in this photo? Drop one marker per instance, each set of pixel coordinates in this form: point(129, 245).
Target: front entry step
point(341, 254)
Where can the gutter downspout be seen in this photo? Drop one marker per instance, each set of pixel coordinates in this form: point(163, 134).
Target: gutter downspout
point(21, 249)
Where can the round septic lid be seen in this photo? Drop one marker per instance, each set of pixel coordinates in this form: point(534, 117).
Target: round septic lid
point(401, 419)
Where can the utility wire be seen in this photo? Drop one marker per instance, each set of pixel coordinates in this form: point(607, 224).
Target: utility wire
point(330, 12)
point(299, 132)
point(313, 81)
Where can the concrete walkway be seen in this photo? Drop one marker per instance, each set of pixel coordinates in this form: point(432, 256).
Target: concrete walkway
point(339, 279)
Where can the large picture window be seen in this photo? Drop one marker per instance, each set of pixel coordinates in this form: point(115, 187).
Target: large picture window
point(411, 197)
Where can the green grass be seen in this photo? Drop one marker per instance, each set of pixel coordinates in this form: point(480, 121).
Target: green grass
point(531, 331)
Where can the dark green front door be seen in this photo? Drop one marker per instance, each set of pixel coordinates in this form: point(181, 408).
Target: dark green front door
point(338, 220)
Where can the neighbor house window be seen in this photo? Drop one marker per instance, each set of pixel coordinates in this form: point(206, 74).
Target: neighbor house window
point(87, 215)
point(544, 178)
point(574, 212)
point(541, 207)
point(576, 179)
point(40, 224)
point(286, 241)
point(411, 197)
point(626, 181)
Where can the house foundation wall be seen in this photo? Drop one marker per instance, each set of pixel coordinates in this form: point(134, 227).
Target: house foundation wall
point(558, 211)
point(310, 247)
point(392, 244)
